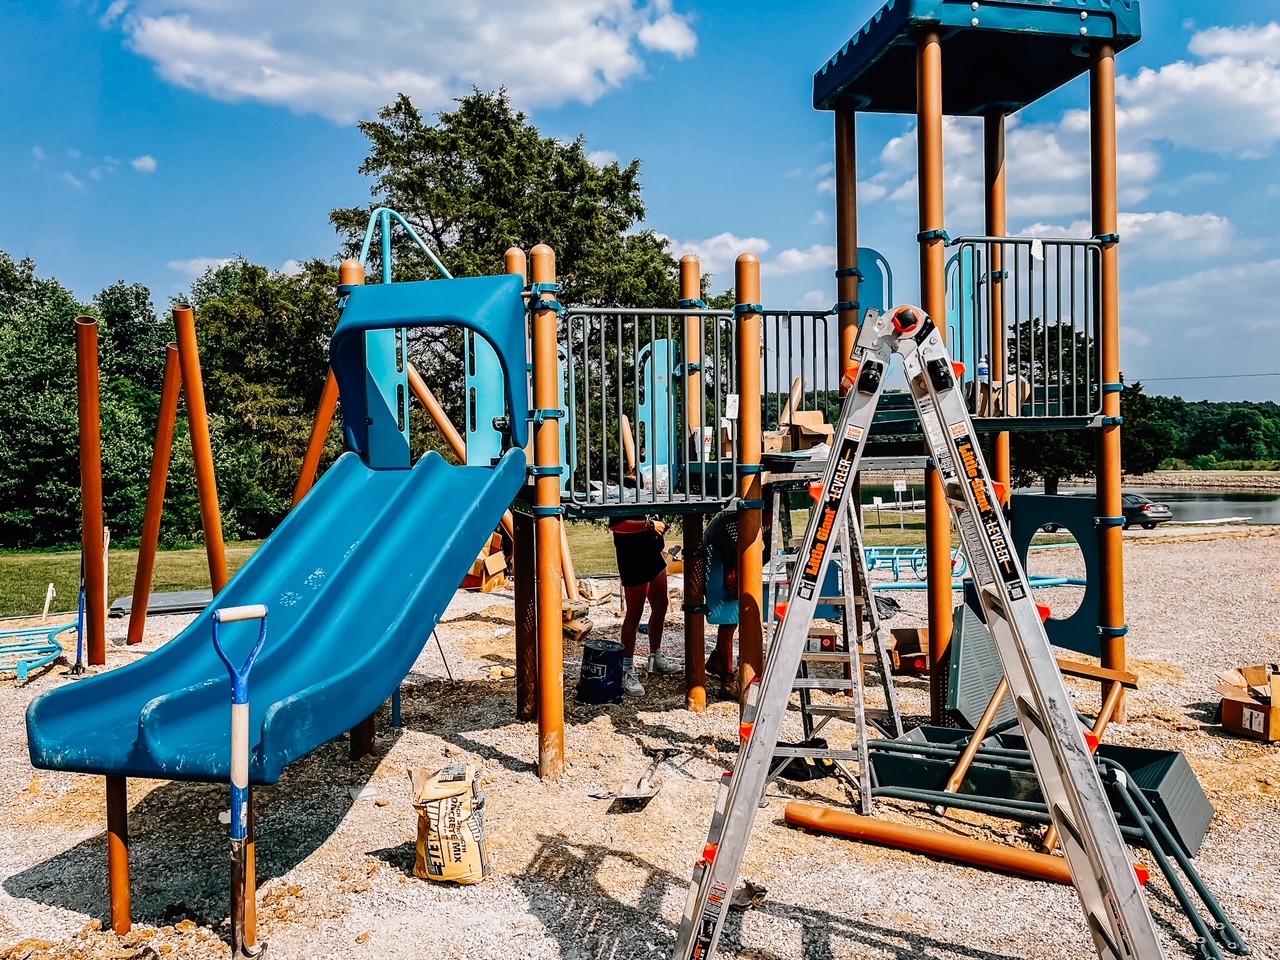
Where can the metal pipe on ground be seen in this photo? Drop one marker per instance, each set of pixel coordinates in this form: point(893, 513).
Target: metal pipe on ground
point(155, 494)
point(90, 417)
point(978, 853)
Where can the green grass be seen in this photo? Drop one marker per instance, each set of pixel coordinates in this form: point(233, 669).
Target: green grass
point(24, 577)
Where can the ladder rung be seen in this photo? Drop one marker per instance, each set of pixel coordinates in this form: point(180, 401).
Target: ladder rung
point(832, 710)
point(821, 683)
point(815, 753)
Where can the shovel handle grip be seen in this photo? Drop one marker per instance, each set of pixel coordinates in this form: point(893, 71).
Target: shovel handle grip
point(252, 611)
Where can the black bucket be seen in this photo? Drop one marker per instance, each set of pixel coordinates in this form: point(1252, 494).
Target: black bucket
point(601, 677)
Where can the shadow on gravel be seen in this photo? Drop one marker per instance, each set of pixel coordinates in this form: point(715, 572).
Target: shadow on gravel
point(577, 891)
point(180, 854)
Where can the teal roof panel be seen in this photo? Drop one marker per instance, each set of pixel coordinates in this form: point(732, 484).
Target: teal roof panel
point(996, 54)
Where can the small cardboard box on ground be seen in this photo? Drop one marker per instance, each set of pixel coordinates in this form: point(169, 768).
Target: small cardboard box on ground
point(1251, 701)
point(808, 429)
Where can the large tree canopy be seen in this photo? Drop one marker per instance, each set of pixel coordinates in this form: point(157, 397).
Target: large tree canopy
point(483, 179)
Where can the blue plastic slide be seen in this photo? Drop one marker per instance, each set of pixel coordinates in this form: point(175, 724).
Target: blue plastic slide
point(355, 578)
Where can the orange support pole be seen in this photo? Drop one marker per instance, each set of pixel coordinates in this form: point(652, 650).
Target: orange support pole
point(933, 296)
point(750, 446)
point(978, 853)
point(436, 412)
point(550, 647)
point(695, 565)
point(319, 434)
point(155, 494)
point(997, 226)
point(846, 227)
point(1102, 128)
point(90, 414)
point(184, 322)
point(118, 854)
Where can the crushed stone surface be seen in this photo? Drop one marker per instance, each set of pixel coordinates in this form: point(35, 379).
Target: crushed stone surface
point(580, 877)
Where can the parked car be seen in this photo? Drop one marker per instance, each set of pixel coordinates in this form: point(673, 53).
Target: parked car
point(1145, 512)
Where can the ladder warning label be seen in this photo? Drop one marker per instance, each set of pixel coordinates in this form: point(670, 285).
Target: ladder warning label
point(807, 588)
point(988, 517)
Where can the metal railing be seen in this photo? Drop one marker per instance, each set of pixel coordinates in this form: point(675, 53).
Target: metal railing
point(648, 401)
point(1023, 317)
point(800, 368)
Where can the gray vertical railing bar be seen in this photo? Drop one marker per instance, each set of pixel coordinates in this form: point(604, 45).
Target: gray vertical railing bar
point(1075, 354)
point(634, 417)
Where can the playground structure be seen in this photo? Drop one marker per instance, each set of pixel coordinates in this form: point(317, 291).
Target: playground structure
point(629, 412)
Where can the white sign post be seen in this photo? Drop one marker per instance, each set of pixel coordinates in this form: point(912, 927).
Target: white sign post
point(877, 502)
point(899, 488)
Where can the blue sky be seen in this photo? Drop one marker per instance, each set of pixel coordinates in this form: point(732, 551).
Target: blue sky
point(145, 139)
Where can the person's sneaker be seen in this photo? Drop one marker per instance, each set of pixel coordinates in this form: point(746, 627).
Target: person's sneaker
point(631, 685)
point(658, 665)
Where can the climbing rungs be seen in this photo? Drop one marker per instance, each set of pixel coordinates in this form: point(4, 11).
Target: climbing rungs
point(821, 683)
point(814, 753)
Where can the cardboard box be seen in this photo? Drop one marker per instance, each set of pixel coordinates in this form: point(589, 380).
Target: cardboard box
point(808, 429)
point(774, 440)
point(910, 650)
point(1251, 701)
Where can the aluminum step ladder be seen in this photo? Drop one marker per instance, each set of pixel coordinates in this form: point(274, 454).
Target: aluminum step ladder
point(1116, 912)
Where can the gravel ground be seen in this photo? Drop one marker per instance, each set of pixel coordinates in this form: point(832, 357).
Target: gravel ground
point(574, 876)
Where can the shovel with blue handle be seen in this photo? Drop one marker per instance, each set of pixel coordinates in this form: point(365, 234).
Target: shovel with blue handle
point(240, 770)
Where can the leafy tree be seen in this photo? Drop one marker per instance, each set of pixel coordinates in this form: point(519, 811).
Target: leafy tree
point(39, 428)
point(264, 356)
point(1146, 436)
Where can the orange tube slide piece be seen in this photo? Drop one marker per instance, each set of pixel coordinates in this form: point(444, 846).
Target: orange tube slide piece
point(978, 853)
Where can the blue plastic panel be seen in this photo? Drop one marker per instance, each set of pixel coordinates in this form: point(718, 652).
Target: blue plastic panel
point(490, 306)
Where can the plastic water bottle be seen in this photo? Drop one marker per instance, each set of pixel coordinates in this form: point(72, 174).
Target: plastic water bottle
point(984, 368)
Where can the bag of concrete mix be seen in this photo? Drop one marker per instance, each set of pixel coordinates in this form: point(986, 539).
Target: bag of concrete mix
point(451, 835)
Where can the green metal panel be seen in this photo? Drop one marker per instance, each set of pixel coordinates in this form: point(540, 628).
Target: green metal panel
point(999, 54)
point(973, 672)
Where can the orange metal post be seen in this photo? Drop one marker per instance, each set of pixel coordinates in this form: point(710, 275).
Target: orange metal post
point(933, 296)
point(319, 434)
point(750, 445)
point(975, 739)
point(118, 854)
point(1102, 126)
point(547, 523)
point(95, 575)
point(184, 322)
point(155, 494)
point(695, 565)
point(846, 227)
point(997, 226)
point(979, 853)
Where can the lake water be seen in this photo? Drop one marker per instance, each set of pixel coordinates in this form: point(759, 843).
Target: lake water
point(1187, 503)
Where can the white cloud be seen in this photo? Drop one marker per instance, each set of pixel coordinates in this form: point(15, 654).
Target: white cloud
point(39, 154)
point(197, 266)
point(717, 254)
point(1133, 337)
point(290, 268)
point(1167, 234)
point(602, 158)
point(817, 300)
point(113, 13)
point(144, 164)
point(798, 261)
point(1229, 104)
point(669, 33)
point(72, 180)
point(73, 154)
point(1248, 43)
point(820, 218)
point(316, 56)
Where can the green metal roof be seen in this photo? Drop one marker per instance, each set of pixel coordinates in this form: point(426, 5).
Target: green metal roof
point(995, 53)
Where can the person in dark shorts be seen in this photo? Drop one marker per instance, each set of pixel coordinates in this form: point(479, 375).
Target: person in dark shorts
point(638, 544)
